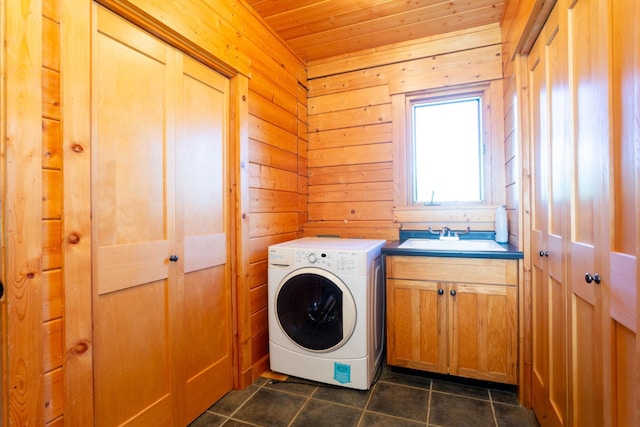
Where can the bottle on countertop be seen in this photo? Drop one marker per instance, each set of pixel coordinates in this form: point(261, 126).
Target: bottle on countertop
point(502, 236)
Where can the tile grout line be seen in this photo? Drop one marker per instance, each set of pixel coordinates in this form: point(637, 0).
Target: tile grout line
point(429, 402)
point(366, 405)
point(229, 417)
point(493, 409)
point(304, 405)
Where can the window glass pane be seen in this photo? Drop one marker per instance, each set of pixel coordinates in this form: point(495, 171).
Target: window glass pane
point(447, 151)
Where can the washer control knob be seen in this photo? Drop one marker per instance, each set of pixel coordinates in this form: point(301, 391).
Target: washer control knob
point(313, 258)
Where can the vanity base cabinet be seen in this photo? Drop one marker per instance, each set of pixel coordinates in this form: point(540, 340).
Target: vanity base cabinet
point(453, 316)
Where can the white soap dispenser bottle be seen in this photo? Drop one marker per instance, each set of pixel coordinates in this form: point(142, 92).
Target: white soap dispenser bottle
point(502, 236)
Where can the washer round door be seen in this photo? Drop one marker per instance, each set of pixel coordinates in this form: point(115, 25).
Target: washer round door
point(315, 309)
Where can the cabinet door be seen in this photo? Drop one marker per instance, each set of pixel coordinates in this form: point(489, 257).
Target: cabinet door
point(549, 101)
point(416, 325)
point(133, 279)
point(483, 331)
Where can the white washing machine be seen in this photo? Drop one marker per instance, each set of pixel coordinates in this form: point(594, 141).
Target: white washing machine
point(326, 309)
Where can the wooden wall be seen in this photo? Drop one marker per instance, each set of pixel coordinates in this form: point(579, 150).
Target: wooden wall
point(47, 374)
point(355, 131)
point(277, 188)
point(52, 188)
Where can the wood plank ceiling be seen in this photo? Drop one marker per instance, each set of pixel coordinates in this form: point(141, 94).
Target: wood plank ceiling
point(317, 29)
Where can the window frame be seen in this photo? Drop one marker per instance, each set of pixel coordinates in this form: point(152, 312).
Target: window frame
point(492, 136)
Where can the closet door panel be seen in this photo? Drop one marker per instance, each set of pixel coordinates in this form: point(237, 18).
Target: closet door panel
point(589, 81)
point(625, 195)
point(202, 195)
point(549, 99)
point(539, 221)
point(133, 296)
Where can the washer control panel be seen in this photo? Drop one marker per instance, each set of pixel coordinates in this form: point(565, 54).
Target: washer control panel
point(343, 261)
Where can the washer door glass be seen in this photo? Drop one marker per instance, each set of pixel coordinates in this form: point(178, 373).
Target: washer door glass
point(315, 309)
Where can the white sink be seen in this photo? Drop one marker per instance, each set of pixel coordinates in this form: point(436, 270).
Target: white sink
point(452, 245)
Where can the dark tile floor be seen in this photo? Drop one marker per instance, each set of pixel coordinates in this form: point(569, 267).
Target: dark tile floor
point(397, 398)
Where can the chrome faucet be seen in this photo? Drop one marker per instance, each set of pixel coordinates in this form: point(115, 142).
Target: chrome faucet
point(445, 232)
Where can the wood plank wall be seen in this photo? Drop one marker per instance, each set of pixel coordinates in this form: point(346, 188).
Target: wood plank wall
point(53, 290)
point(353, 133)
point(22, 217)
point(277, 187)
point(272, 201)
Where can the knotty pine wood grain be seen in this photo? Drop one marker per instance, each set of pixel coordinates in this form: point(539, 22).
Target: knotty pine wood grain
point(280, 94)
point(260, 245)
point(352, 105)
point(376, 33)
point(258, 273)
point(265, 154)
point(346, 155)
point(406, 51)
point(449, 69)
point(51, 10)
point(52, 195)
point(50, 94)
point(360, 116)
point(266, 110)
point(53, 345)
point(261, 176)
point(76, 111)
point(52, 296)
point(50, 44)
point(351, 211)
point(259, 322)
point(367, 191)
point(53, 395)
point(478, 214)
point(51, 144)
point(264, 224)
point(346, 174)
point(353, 229)
point(368, 96)
point(264, 131)
point(22, 217)
point(263, 200)
point(359, 135)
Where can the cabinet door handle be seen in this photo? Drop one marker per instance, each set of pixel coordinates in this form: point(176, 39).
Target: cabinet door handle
point(453, 292)
point(543, 253)
point(173, 258)
point(589, 278)
point(440, 291)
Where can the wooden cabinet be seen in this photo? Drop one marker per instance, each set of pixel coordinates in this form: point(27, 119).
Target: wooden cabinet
point(453, 316)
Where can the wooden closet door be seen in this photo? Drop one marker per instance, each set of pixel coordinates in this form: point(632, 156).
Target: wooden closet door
point(204, 291)
point(539, 220)
point(133, 95)
point(549, 101)
point(588, 54)
point(625, 191)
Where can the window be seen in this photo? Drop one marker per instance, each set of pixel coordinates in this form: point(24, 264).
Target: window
point(452, 153)
point(447, 149)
